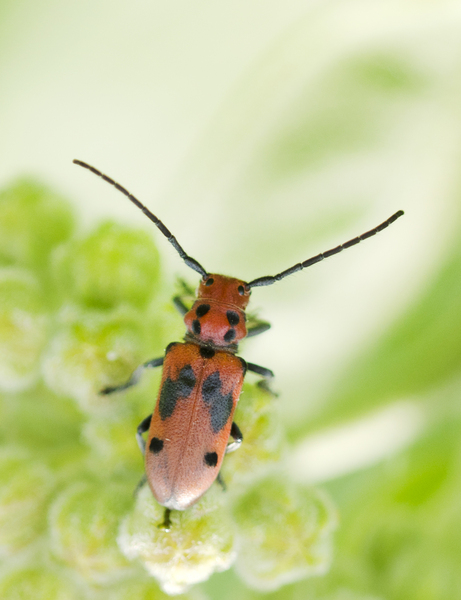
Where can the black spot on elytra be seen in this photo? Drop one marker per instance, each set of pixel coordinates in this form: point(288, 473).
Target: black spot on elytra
point(229, 335)
point(220, 405)
point(233, 317)
point(196, 327)
point(202, 310)
point(172, 390)
point(206, 352)
point(155, 445)
point(211, 459)
point(170, 346)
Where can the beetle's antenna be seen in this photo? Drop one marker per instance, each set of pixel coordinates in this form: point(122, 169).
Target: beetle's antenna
point(190, 262)
point(270, 279)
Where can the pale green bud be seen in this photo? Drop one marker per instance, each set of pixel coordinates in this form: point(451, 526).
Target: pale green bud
point(83, 525)
point(91, 351)
point(285, 533)
point(113, 265)
point(113, 441)
point(33, 220)
point(36, 582)
point(145, 588)
point(257, 417)
point(112, 437)
point(25, 490)
point(23, 328)
point(199, 542)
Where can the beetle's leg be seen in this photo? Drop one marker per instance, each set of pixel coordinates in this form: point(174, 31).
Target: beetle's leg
point(134, 379)
point(267, 375)
point(180, 306)
point(263, 371)
point(166, 523)
point(257, 328)
point(238, 437)
point(186, 292)
point(221, 482)
point(235, 445)
point(141, 483)
point(142, 428)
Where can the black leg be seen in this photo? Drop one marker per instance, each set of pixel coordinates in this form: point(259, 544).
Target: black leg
point(267, 375)
point(135, 378)
point(166, 523)
point(259, 327)
point(238, 438)
point(235, 445)
point(142, 428)
point(180, 306)
point(221, 482)
point(141, 483)
point(186, 292)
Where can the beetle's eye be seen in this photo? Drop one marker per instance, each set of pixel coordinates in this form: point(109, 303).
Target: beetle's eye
point(209, 281)
point(241, 290)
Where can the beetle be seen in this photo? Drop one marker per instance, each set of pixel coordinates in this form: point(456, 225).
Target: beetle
point(188, 433)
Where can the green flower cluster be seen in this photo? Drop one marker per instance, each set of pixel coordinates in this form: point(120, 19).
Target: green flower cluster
point(80, 313)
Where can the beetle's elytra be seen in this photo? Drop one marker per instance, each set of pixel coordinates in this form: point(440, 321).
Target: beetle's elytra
point(189, 430)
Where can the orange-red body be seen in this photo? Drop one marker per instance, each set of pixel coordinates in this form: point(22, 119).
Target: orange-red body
point(201, 384)
point(191, 423)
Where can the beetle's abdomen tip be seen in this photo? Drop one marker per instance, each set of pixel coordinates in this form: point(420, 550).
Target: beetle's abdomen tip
point(178, 502)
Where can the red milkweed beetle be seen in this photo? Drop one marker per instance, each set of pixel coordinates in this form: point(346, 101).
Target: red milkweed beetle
point(189, 430)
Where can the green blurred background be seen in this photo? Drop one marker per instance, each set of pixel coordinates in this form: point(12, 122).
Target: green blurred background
point(262, 133)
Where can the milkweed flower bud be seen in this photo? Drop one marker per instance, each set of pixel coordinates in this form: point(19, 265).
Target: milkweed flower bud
point(263, 444)
point(113, 265)
point(83, 524)
point(92, 350)
point(199, 542)
point(284, 533)
point(33, 220)
point(145, 588)
point(23, 328)
point(26, 485)
point(38, 582)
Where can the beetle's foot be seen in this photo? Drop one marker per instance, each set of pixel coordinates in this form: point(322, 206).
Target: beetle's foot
point(106, 391)
point(264, 385)
point(166, 523)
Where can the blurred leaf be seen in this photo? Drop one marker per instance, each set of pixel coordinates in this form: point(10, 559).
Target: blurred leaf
point(399, 537)
point(348, 110)
point(419, 352)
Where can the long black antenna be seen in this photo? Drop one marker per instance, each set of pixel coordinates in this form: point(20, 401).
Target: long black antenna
point(190, 262)
point(270, 279)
